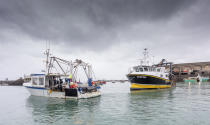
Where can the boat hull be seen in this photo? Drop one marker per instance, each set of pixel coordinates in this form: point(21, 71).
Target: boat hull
point(205, 79)
point(35, 91)
point(142, 81)
point(137, 86)
point(196, 80)
point(190, 80)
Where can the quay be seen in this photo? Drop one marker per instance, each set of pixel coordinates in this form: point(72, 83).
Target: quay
point(185, 70)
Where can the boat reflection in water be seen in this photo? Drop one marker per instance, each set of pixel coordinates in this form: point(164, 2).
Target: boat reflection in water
point(55, 110)
point(152, 93)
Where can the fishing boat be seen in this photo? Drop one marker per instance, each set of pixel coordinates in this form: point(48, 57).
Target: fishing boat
point(146, 76)
point(204, 79)
point(198, 78)
point(63, 84)
point(191, 79)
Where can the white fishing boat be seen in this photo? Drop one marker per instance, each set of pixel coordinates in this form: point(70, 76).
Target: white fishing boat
point(65, 84)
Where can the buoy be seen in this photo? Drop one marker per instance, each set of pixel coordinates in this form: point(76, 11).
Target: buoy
point(93, 83)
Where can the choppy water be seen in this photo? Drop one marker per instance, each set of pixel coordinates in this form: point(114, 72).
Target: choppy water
point(185, 104)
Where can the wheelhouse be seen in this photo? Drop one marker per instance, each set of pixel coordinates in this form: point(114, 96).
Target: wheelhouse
point(38, 80)
point(147, 69)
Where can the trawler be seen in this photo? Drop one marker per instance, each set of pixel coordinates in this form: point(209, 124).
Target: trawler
point(146, 76)
point(64, 84)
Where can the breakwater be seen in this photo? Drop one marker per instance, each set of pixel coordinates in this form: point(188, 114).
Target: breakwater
point(18, 82)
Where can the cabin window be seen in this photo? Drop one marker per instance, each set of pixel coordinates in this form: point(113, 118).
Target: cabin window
point(131, 70)
point(137, 69)
point(150, 69)
point(145, 69)
point(34, 81)
point(41, 81)
point(141, 69)
point(158, 70)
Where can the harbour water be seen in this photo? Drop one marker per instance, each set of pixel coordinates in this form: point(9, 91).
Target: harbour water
point(185, 104)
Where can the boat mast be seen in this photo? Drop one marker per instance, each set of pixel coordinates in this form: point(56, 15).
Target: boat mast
point(145, 61)
point(47, 53)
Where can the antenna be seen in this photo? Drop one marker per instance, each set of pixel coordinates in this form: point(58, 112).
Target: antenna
point(47, 45)
point(47, 53)
point(145, 60)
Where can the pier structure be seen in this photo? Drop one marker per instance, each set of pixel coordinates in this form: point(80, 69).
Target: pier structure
point(185, 70)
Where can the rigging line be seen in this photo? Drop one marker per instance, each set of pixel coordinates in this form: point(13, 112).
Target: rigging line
point(71, 67)
point(85, 71)
point(63, 60)
point(93, 74)
point(67, 70)
point(56, 69)
point(75, 75)
point(60, 67)
point(51, 66)
point(64, 65)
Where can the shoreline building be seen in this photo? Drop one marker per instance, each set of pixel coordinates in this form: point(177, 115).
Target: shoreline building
point(185, 70)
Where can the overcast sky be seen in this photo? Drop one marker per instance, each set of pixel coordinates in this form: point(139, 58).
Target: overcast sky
point(109, 34)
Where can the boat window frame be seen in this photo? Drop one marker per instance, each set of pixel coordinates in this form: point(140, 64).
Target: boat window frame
point(35, 81)
point(41, 82)
point(158, 70)
point(141, 69)
point(137, 69)
point(38, 80)
point(146, 70)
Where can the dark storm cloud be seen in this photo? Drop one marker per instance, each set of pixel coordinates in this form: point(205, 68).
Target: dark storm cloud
point(171, 29)
point(83, 22)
